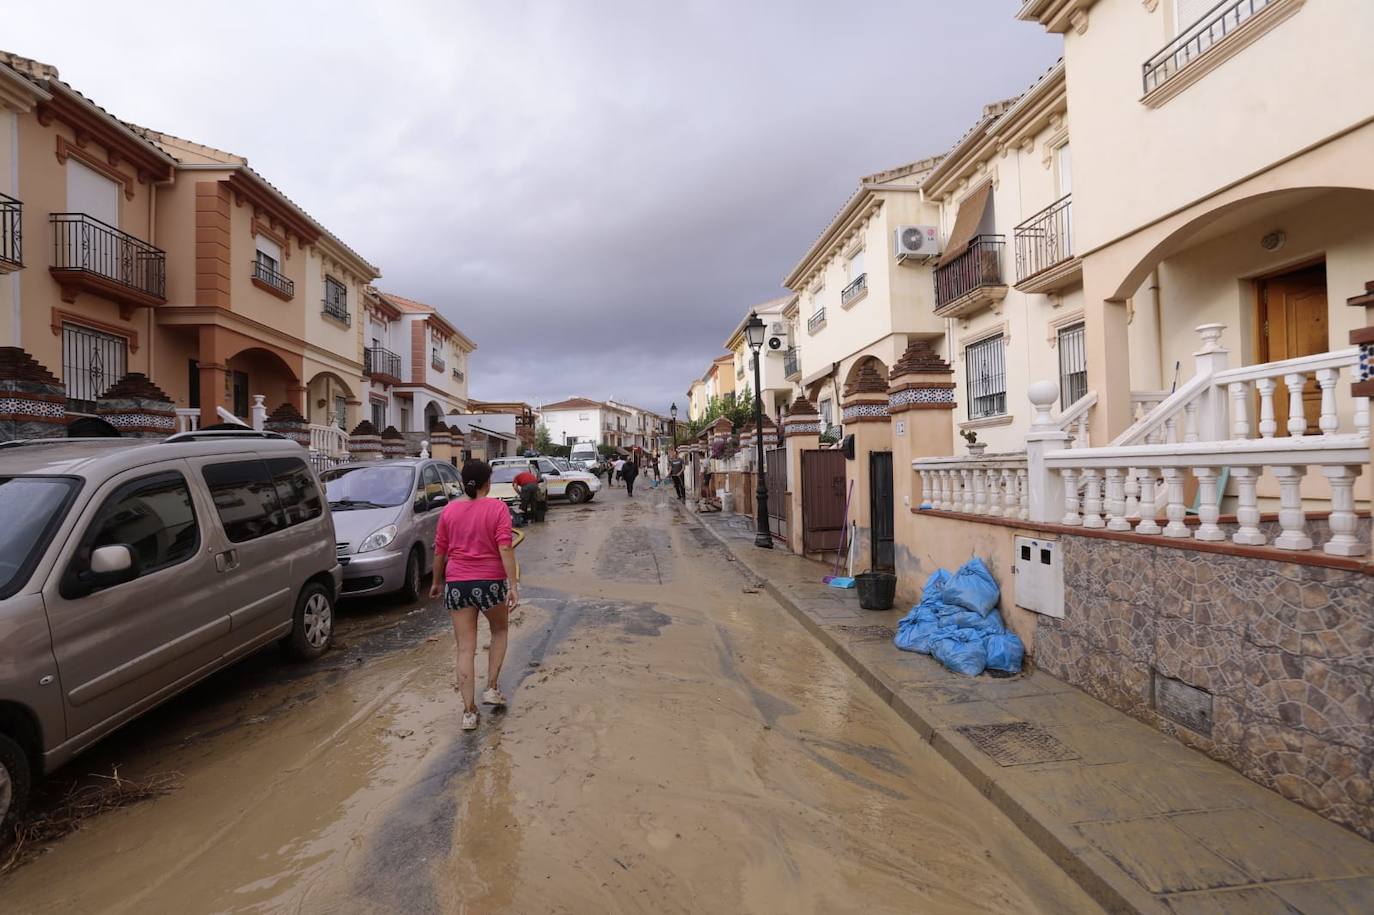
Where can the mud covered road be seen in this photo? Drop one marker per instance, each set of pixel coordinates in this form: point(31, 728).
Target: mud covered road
point(675, 743)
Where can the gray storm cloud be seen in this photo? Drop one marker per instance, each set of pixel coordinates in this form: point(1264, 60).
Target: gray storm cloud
point(593, 191)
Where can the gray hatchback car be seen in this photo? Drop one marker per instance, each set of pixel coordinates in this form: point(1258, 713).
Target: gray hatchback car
point(385, 516)
point(130, 570)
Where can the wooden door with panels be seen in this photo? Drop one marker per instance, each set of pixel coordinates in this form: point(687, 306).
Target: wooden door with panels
point(1291, 322)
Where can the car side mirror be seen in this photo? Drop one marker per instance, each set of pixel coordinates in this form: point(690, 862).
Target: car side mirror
point(110, 565)
point(438, 501)
point(553, 473)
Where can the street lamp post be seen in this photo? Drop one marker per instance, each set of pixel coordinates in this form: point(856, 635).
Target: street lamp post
point(754, 331)
point(672, 425)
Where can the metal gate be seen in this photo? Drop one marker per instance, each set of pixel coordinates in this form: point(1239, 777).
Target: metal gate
point(91, 363)
point(823, 494)
point(775, 465)
point(880, 510)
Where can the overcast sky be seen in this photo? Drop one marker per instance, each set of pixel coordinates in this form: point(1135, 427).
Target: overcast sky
point(594, 191)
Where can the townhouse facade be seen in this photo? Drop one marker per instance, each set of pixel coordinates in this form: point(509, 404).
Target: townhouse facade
point(643, 428)
point(581, 419)
point(778, 344)
point(178, 262)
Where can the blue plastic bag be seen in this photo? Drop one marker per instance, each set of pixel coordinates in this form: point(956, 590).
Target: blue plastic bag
point(968, 658)
point(972, 588)
point(1005, 652)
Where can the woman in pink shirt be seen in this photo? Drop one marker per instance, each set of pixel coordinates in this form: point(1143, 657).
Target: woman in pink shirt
point(474, 569)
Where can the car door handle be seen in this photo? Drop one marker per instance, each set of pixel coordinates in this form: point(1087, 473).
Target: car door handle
point(227, 561)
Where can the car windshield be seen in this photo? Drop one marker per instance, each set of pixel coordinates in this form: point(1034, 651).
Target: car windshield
point(505, 473)
point(31, 507)
point(349, 488)
point(561, 464)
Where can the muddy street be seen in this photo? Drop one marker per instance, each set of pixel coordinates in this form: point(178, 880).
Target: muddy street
point(675, 743)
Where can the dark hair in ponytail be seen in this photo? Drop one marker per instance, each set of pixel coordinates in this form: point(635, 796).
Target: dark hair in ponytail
point(475, 475)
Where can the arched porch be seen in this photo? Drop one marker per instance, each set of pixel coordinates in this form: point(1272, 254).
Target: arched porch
point(331, 401)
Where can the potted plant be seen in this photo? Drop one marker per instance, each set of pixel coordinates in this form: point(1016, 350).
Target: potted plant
point(975, 447)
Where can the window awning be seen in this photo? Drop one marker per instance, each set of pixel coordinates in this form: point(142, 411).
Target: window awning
point(966, 223)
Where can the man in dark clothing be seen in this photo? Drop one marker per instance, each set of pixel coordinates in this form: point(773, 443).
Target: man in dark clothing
point(628, 471)
point(676, 470)
point(527, 485)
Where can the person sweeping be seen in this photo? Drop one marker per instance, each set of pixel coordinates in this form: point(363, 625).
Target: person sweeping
point(475, 570)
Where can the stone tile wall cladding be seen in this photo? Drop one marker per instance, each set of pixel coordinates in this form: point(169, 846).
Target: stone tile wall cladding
point(1285, 651)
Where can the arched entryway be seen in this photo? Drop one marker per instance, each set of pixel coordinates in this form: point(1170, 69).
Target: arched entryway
point(331, 401)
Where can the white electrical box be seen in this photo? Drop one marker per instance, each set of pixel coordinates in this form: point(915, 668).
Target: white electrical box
point(1039, 571)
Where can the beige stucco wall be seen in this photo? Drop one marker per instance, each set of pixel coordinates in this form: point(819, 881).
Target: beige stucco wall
point(1134, 163)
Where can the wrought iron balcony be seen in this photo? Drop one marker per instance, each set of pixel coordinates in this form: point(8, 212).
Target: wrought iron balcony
point(382, 364)
point(1044, 241)
point(96, 257)
point(978, 268)
point(264, 277)
point(437, 361)
point(458, 374)
point(791, 362)
point(855, 289)
point(816, 321)
point(337, 310)
point(11, 234)
point(1199, 38)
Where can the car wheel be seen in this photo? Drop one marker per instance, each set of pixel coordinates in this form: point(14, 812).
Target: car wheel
point(313, 625)
point(577, 493)
point(14, 783)
point(410, 591)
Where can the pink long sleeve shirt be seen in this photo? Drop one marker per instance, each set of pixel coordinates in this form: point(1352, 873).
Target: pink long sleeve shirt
point(470, 535)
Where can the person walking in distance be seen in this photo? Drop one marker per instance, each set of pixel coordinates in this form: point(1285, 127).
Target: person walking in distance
point(628, 471)
point(618, 466)
point(474, 569)
point(676, 470)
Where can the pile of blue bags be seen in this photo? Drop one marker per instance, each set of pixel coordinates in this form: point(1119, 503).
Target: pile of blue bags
point(958, 624)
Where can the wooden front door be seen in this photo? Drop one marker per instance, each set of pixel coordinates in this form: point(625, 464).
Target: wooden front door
point(1292, 323)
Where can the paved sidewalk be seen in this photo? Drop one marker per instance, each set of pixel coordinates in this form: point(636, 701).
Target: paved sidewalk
point(1143, 823)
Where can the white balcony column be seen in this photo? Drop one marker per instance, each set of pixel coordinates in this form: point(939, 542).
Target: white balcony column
point(1131, 490)
point(1343, 523)
point(980, 494)
point(258, 412)
point(1240, 410)
point(1292, 519)
point(949, 488)
point(1297, 416)
point(1190, 429)
point(1247, 507)
point(1171, 430)
point(1268, 426)
point(1148, 523)
point(920, 489)
point(1010, 501)
point(1207, 498)
point(994, 490)
point(1326, 380)
point(1174, 508)
point(1116, 501)
point(1092, 499)
point(1209, 422)
point(1045, 487)
point(1361, 407)
point(1023, 494)
point(1070, 478)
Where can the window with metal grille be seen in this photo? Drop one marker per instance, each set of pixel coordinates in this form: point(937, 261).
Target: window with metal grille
point(1073, 365)
point(92, 362)
point(335, 298)
point(985, 366)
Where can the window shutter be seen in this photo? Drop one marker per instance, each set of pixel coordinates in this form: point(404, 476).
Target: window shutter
point(92, 193)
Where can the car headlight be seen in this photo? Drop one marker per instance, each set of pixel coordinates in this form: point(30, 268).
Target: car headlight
point(379, 538)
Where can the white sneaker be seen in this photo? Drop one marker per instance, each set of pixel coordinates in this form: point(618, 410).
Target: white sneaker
point(493, 697)
point(469, 721)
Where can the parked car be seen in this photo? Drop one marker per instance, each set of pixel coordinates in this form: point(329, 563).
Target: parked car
point(585, 456)
point(131, 569)
point(502, 478)
point(574, 484)
point(385, 516)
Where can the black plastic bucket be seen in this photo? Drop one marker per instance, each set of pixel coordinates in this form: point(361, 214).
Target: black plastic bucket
point(877, 590)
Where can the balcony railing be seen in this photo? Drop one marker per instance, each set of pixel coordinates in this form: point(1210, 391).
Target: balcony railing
point(458, 374)
point(380, 361)
point(1044, 240)
point(980, 265)
point(437, 362)
point(11, 234)
point(273, 280)
point(337, 310)
point(84, 248)
point(1198, 39)
point(856, 288)
point(791, 362)
point(816, 321)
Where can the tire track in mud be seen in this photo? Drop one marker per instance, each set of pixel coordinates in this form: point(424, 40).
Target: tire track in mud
point(420, 827)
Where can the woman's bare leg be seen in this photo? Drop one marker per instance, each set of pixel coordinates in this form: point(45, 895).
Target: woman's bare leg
point(498, 618)
point(465, 632)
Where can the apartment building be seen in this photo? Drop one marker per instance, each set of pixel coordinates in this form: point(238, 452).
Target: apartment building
point(697, 401)
point(581, 419)
point(643, 428)
point(416, 361)
point(778, 347)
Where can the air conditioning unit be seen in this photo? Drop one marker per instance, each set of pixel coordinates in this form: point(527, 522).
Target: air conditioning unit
point(777, 337)
point(918, 241)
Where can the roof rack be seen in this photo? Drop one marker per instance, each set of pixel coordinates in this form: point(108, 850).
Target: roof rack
point(25, 442)
point(212, 434)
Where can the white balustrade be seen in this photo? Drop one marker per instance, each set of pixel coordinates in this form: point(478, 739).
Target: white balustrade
point(993, 485)
point(188, 419)
point(327, 440)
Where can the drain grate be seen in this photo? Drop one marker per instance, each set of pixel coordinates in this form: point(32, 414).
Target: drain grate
point(1017, 744)
point(867, 633)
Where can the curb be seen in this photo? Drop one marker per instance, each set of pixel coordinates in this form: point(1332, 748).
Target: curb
point(1089, 868)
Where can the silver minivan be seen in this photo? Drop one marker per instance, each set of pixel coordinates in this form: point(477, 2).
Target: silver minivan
point(130, 570)
point(385, 516)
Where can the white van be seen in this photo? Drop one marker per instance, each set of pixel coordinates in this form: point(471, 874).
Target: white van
point(584, 455)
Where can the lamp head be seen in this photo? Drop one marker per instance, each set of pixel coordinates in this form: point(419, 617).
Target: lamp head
point(754, 331)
